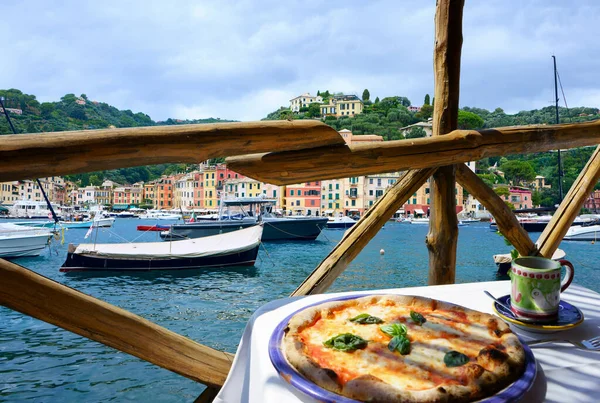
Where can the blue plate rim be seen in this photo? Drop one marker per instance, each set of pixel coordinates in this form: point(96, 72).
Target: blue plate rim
point(548, 326)
point(511, 393)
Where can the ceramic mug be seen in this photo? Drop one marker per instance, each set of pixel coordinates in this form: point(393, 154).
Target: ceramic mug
point(536, 287)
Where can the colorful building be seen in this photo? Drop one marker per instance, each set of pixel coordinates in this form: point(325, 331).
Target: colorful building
point(332, 197)
point(354, 196)
point(342, 105)
point(302, 101)
point(303, 199)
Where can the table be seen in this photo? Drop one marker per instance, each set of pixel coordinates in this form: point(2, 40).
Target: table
point(565, 373)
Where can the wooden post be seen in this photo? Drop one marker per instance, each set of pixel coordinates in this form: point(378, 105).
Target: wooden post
point(570, 206)
point(34, 295)
point(508, 224)
point(443, 225)
point(362, 232)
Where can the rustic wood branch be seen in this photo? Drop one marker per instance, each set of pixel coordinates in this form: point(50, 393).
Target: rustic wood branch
point(443, 229)
point(508, 224)
point(570, 207)
point(359, 235)
point(24, 156)
point(460, 146)
point(207, 395)
point(34, 295)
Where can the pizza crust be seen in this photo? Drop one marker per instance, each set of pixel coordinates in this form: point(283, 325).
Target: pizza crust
point(495, 367)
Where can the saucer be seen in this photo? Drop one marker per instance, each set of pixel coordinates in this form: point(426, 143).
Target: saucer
point(569, 316)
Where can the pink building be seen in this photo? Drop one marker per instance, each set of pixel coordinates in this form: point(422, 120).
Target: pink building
point(198, 189)
point(593, 202)
point(304, 198)
point(519, 197)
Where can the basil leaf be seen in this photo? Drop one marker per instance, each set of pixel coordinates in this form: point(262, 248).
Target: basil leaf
point(400, 344)
point(455, 359)
point(365, 318)
point(417, 318)
point(346, 342)
point(395, 329)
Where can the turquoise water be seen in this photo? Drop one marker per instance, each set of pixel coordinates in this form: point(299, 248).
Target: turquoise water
point(39, 362)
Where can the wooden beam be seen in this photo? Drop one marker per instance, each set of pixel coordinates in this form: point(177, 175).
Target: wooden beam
point(34, 295)
point(359, 235)
point(207, 396)
point(460, 146)
point(570, 207)
point(24, 156)
point(508, 224)
point(443, 229)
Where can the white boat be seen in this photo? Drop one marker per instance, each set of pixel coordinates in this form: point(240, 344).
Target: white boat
point(583, 233)
point(160, 215)
point(98, 222)
point(340, 221)
point(21, 241)
point(236, 248)
point(422, 221)
point(470, 220)
point(32, 209)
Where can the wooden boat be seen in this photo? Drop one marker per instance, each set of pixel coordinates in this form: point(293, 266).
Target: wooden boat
point(238, 248)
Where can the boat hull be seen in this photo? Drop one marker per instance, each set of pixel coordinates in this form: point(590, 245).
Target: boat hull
point(23, 245)
point(274, 229)
point(340, 225)
point(82, 262)
point(591, 233)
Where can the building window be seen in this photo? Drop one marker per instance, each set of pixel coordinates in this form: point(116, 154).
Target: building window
point(291, 192)
point(297, 202)
point(414, 201)
point(353, 203)
point(371, 192)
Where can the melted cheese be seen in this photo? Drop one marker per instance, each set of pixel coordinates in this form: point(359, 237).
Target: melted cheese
point(422, 368)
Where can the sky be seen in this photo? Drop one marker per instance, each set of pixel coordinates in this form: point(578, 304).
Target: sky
point(243, 59)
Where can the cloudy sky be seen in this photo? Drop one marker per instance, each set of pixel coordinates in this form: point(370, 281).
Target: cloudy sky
point(243, 59)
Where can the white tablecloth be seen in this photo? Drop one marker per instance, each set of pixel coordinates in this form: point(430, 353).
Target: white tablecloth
point(565, 373)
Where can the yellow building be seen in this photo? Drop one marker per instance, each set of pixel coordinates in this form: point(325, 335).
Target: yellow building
point(342, 105)
point(211, 198)
point(9, 192)
point(332, 197)
point(354, 196)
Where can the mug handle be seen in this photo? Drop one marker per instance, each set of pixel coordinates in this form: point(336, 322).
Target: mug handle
point(570, 273)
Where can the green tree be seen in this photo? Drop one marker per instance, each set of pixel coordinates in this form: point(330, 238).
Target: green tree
point(536, 198)
point(416, 132)
point(425, 113)
point(427, 100)
point(95, 180)
point(469, 120)
point(314, 110)
point(502, 191)
point(366, 95)
point(518, 172)
point(47, 108)
point(377, 100)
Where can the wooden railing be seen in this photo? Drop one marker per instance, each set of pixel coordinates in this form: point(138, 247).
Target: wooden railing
point(292, 152)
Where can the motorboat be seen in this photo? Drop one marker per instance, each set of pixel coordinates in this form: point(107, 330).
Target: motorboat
point(156, 227)
point(160, 215)
point(421, 221)
point(341, 221)
point(238, 248)
point(240, 213)
point(96, 222)
point(538, 223)
point(21, 241)
point(32, 209)
point(584, 232)
point(469, 220)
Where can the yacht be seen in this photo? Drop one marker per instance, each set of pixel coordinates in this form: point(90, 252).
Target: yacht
point(341, 221)
point(160, 215)
point(21, 241)
point(32, 209)
point(245, 212)
point(585, 232)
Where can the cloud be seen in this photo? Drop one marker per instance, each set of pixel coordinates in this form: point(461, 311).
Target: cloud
point(242, 59)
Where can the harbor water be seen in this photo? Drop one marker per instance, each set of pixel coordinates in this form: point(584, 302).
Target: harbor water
point(39, 362)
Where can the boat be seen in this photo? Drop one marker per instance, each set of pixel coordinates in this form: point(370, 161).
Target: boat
point(160, 215)
point(156, 227)
point(239, 248)
point(340, 221)
point(586, 232)
point(22, 241)
point(245, 212)
point(462, 224)
point(538, 223)
point(470, 220)
point(98, 222)
point(422, 221)
point(32, 209)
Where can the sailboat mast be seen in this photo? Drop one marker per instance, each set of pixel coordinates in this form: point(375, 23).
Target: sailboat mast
point(560, 172)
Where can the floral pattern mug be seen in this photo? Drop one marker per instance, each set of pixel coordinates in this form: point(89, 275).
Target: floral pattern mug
point(536, 287)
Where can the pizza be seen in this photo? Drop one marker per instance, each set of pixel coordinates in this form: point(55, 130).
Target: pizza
point(392, 348)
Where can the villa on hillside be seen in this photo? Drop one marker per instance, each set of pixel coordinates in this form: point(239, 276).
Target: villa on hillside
point(342, 105)
point(427, 126)
point(302, 101)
